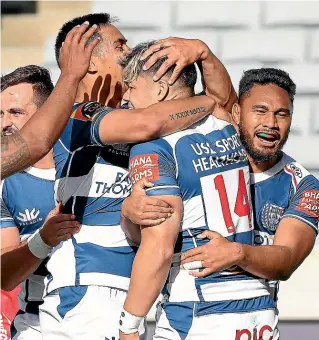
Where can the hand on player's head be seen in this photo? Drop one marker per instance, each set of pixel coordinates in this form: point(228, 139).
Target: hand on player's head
point(178, 51)
point(76, 51)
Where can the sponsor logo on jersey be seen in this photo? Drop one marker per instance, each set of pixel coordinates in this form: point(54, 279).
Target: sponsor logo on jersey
point(270, 216)
point(309, 203)
point(144, 166)
point(120, 149)
point(222, 152)
point(253, 334)
point(29, 217)
point(297, 171)
point(121, 186)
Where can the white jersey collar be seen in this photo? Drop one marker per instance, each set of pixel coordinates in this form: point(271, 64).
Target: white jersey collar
point(48, 174)
point(262, 176)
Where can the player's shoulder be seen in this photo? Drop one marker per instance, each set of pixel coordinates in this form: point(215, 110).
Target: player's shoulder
point(86, 110)
point(153, 146)
point(203, 127)
point(299, 175)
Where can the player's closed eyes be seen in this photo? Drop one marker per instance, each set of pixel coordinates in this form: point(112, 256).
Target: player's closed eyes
point(260, 111)
point(16, 113)
point(282, 114)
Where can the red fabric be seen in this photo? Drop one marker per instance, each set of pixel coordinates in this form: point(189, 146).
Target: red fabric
point(9, 308)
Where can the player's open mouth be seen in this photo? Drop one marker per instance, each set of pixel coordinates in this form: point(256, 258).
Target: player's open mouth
point(267, 138)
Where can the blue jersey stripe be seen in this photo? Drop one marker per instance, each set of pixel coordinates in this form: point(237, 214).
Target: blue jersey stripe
point(93, 258)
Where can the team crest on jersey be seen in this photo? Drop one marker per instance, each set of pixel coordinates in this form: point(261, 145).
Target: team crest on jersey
point(270, 216)
point(85, 111)
point(121, 147)
point(88, 109)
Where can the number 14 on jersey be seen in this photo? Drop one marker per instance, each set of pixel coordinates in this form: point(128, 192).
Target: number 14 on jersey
point(226, 197)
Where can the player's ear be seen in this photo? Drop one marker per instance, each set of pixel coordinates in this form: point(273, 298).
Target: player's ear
point(236, 113)
point(92, 66)
point(162, 91)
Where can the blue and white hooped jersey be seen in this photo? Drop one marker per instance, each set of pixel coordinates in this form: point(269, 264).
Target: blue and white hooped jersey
point(92, 182)
point(285, 190)
point(206, 166)
point(27, 198)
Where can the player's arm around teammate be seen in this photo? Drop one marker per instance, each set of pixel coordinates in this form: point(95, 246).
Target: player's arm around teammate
point(293, 242)
point(122, 126)
point(37, 137)
point(20, 259)
point(157, 120)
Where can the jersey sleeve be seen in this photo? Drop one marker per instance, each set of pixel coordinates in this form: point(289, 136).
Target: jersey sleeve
point(6, 218)
point(304, 204)
point(83, 125)
point(155, 162)
point(81, 130)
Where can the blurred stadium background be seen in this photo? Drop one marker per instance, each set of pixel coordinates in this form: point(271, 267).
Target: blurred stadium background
point(243, 34)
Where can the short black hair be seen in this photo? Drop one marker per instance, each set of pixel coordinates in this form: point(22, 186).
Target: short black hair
point(133, 66)
point(38, 76)
point(265, 76)
point(99, 19)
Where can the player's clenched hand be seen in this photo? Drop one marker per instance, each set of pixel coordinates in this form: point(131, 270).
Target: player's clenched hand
point(218, 254)
point(179, 52)
point(58, 227)
point(76, 51)
point(144, 210)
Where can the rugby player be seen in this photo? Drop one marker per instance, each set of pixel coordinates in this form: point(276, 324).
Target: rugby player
point(28, 146)
point(84, 298)
point(285, 195)
point(26, 200)
point(203, 174)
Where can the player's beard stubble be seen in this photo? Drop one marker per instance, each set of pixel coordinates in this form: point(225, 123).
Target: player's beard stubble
point(260, 155)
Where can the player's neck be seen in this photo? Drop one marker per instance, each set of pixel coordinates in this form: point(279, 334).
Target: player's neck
point(257, 167)
point(46, 162)
point(180, 94)
point(93, 89)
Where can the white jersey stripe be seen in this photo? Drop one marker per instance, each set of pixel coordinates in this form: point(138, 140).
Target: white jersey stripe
point(104, 236)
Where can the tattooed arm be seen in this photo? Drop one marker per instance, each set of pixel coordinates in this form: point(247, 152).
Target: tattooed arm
point(37, 137)
point(15, 154)
point(131, 126)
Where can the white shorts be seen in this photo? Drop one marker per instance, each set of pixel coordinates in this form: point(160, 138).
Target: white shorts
point(26, 326)
point(180, 321)
point(82, 313)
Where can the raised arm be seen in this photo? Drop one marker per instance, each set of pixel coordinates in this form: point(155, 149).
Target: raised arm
point(38, 136)
point(183, 52)
point(161, 119)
